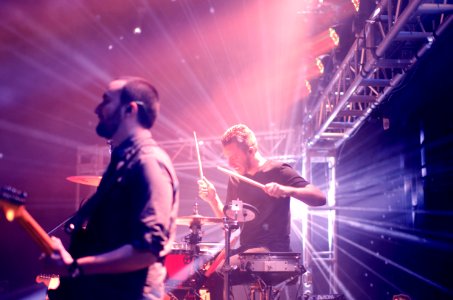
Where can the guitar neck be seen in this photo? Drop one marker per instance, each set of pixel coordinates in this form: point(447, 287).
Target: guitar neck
point(32, 227)
point(36, 232)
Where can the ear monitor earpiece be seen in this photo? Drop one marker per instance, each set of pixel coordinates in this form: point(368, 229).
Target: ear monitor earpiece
point(133, 104)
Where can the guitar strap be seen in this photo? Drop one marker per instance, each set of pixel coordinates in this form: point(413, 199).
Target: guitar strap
point(75, 223)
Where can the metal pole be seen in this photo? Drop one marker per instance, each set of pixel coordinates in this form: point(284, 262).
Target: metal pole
point(226, 266)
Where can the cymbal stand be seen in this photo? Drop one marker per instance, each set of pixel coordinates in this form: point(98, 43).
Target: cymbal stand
point(195, 235)
point(229, 225)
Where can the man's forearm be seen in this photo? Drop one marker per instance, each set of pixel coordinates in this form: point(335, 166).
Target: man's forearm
point(217, 206)
point(310, 195)
point(121, 260)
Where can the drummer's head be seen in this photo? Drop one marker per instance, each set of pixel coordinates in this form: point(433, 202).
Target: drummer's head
point(239, 147)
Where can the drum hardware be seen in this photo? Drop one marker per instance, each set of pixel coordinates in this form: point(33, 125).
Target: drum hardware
point(235, 212)
point(186, 262)
point(229, 225)
point(269, 269)
point(194, 237)
point(268, 292)
point(194, 222)
point(272, 262)
point(240, 211)
point(184, 270)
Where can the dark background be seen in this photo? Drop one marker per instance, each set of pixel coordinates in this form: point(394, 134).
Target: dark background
point(405, 239)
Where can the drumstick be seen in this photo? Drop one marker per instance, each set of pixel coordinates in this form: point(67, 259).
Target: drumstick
point(200, 169)
point(243, 178)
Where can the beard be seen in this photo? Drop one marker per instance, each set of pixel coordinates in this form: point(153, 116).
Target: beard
point(108, 126)
point(245, 166)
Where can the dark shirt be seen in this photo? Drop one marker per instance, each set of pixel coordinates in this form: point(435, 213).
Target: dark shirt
point(271, 226)
point(135, 203)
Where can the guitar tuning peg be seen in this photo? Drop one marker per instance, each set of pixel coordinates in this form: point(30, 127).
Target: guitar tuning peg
point(13, 193)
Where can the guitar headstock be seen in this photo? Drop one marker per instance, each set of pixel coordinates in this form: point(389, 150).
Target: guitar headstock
point(13, 195)
point(11, 199)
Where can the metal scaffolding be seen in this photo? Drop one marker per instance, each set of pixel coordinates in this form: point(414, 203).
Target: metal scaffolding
point(394, 37)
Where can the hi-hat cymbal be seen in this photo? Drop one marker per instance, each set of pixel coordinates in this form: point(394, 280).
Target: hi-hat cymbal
point(188, 220)
point(85, 179)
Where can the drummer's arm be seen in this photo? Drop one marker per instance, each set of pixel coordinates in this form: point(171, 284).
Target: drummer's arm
point(309, 194)
point(207, 192)
point(217, 206)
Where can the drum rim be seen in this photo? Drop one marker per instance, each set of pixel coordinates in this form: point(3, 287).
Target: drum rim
point(271, 255)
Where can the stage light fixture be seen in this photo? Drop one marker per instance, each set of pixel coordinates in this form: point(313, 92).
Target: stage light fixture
point(356, 4)
point(334, 36)
point(308, 85)
point(320, 65)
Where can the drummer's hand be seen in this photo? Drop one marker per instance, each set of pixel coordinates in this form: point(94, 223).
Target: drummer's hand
point(276, 190)
point(206, 190)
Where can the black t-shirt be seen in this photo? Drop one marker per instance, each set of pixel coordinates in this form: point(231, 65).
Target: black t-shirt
point(271, 227)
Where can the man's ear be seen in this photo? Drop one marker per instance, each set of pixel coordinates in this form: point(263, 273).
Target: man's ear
point(131, 107)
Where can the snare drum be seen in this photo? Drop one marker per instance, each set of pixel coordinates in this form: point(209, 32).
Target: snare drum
point(271, 267)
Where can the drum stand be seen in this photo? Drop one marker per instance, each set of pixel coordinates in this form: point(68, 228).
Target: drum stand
point(264, 293)
point(229, 226)
point(235, 212)
point(267, 291)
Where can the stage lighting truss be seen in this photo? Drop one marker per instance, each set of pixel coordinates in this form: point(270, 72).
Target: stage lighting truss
point(394, 37)
point(284, 145)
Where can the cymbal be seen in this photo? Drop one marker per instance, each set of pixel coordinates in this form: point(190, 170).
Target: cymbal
point(187, 220)
point(85, 179)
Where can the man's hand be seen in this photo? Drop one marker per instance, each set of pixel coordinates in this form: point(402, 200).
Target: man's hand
point(276, 190)
point(59, 261)
point(206, 190)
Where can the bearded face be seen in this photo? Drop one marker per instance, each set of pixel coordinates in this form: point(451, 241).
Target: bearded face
point(237, 158)
point(109, 123)
point(109, 111)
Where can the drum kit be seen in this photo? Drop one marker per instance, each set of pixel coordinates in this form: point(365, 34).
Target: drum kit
point(192, 261)
point(189, 262)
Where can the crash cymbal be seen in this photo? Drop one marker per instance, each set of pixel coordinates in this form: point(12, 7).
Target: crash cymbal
point(187, 220)
point(85, 179)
